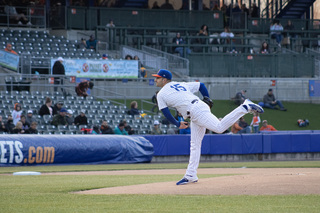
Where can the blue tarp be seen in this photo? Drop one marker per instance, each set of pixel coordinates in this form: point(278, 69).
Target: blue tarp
point(73, 149)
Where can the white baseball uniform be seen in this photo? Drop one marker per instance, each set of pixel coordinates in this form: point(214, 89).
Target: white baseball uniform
point(180, 95)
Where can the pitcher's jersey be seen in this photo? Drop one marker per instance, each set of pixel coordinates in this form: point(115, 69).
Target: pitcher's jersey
point(178, 95)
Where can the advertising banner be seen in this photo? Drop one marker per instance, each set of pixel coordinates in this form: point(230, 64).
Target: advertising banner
point(9, 60)
point(89, 68)
point(73, 149)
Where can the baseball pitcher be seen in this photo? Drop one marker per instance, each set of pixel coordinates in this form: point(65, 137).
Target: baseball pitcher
point(180, 95)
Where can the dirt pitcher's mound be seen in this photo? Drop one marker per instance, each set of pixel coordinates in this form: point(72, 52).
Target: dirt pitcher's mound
point(270, 181)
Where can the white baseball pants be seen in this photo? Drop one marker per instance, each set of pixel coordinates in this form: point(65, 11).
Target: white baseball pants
point(202, 119)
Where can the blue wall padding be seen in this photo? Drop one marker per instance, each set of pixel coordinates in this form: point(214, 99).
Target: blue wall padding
point(222, 144)
point(73, 149)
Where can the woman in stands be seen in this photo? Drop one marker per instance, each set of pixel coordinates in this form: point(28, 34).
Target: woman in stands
point(18, 128)
point(264, 48)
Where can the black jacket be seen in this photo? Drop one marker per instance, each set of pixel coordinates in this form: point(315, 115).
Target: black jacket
point(58, 68)
point(31, 131)
point(10, 126)
point(44, 110)
point(79, 120)
point(106, 130)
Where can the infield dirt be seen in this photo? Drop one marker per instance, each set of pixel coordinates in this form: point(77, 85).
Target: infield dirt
point(240, 181)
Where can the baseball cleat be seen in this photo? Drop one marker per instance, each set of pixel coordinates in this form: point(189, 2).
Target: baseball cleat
point(185, 181)
point(252, 107)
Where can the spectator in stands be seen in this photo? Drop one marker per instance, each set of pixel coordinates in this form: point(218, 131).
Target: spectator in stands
point(240, 97)
point(204, 31)
point(25, 124)
point(155, 102)
point(92, 43)
point(83, 44)
point(119, 130)
point(105, 57)
point(9, 124)
point(138, 59)
point(255, 11)
point(2, 126)
point(81, 119)
point(19, 18)
point(18, 129)
point(57, 107)
point(155, 5)
point(276, 31)
point(29, 117)
point(244, 9)
point(16, 113)
point(266, 126)
point(32, 129)
point(226, 38)
point(240, 127)
point(105, 128)
point(255, 122)
point(60, 119)
point(9, 49)
point(244, 125)
point(178, 40)
point(127, 127)
point(95, 130)
point(46, 108)
point(82, 88)
point(270, 101)
point(264, 48)
point(134, 109)
point(155, 130)
point(143, 72)
point(110, 24)
point(58, 69)
point(289, 36)
point(70, 118)
point(167, 5)
point(128, 57)
point(183, 131)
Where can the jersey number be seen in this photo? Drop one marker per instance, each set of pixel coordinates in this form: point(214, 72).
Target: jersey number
point(178, 87)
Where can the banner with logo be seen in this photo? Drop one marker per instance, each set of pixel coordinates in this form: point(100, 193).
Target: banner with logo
point(100, 68)
point(9, 60)
point(73, 149)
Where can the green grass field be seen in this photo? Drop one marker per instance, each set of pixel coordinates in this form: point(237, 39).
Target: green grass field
point(52, 193)
point(279, 119)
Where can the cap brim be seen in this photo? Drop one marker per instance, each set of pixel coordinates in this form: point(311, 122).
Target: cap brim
point(156, 75)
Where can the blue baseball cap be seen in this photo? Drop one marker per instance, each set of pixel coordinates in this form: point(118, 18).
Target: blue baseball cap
point(163, 74)
point(63, 110)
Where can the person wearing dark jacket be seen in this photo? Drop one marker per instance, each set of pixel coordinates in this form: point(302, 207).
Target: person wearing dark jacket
point(9, 125)
point(134, 108)
point(82, 87)
point(46, 108)
point(105, 128)
point(2, 126)
point(270, 101)
point(57, 107)
point(81, 119)
point(58, 69)
point(32, 129)
point(60, 119)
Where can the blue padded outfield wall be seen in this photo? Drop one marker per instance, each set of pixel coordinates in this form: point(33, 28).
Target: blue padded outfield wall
point(99, 149)
point(73, 149)
point(276, 142)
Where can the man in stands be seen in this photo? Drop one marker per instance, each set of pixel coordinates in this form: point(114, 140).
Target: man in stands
point(58, 69)
point(81, 119)
point(60, 119)
point(267, 127)
point(105, 128)
point(9, 49)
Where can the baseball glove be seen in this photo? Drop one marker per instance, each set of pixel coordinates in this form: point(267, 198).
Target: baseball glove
point(208, 101)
